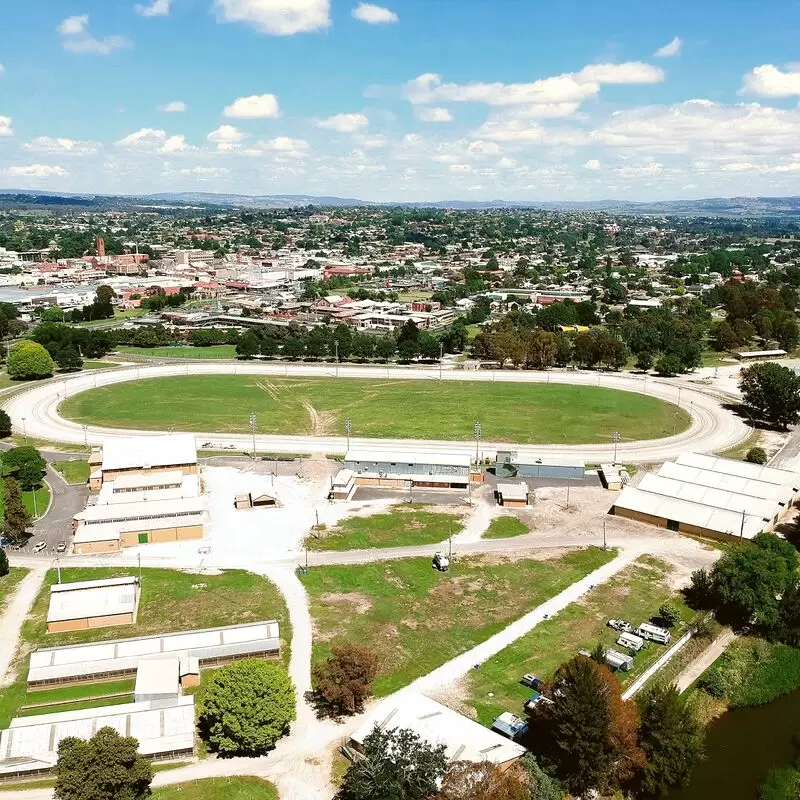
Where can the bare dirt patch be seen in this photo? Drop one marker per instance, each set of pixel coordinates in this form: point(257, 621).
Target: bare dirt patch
point(359, 602)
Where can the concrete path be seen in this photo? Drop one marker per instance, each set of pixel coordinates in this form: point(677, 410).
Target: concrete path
point(13, 617)
point(694, 670)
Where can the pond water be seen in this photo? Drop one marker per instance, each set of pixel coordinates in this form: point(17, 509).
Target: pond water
point(742, 747)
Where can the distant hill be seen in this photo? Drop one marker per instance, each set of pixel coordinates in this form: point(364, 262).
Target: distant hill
point(781, 207)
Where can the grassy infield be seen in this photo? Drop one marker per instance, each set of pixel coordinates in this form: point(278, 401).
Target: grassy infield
point(530, 413)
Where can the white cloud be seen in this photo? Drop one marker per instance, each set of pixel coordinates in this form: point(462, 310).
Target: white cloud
point(592, 163)
point(286, 146)
point(770, 81)
point(670, 49)
point(37, 171)
point(374, 15)
point(344, 123)
point(433, 114)
point(155, 141)
point(506, 163)
point(277, 17)
point(520, 131)
point(5, 126)
point(571, 87)
point(641, 170)
point(158, 8)
point(75, 38)
point(460, 168)
point(174, 107)
point(208, 172)
point(2, 70)
point(256, 106)
point(226, 134)
point(50, 144)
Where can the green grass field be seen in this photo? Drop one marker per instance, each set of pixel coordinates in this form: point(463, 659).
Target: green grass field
point(505, 528)
point(403, 525)
point(525, 413)
point(37, 506)
point(238, 788)
point(74, 470)
point(170, 601)
point(634, 594)
point(9, 583)
point(214, 351)
point(417, 618)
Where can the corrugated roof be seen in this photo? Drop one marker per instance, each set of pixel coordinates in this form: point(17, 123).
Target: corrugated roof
point(92, 599)
point(742, 469)
point(463, 738)
point(137, 480)
point(158, 675)
point(733, 483)
point(130, 452)
point(111, 531)
point(377, 455)
point(142, 509)
point(712, 519)
point(513, 491)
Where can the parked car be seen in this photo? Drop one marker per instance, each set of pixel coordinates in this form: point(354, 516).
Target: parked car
point(39, 546)
point(620, 625)
point(532, 681)
point(61, 546)
point(441, 562)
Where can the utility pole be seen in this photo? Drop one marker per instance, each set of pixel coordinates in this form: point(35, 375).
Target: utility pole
point(348, 429)
point(604, 533)
point(35, 509)
point(336, 345)
point(24, 430)
point(58, 568)
point(85, 436)
point(139, 556)
point(441, 358)
point(477, 428)
point(253, 424)
point(615, 439)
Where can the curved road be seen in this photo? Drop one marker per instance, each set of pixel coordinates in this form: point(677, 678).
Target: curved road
point(35, 412)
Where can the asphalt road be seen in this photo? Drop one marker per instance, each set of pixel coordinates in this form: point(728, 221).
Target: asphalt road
point(35, 412)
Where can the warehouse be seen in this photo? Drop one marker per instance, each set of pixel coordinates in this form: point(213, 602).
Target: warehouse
point(512, 495)
point(85, 663)
point(463, 738)
point(165, 730)
point(399, 470)
point(741, 469)
point(82, 605)
point(510, 464)
point(135, 488)
point(145, 454)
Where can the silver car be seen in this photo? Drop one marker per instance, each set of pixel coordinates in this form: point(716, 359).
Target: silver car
point(39, 546)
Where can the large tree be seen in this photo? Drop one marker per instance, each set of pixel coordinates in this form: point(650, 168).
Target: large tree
point(28, 360)
point(396, 765)
point(591, 732)
point(247, 707)
point(671, 737)
point(5, 424)
point(17, 518)
point(24, 463)
point(468, 780)
point(345, 679)
point(106, 767)
point(771, 393)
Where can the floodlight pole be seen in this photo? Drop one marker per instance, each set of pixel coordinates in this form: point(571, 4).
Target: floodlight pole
point(477, 428)
point(85, 436)
point(336, 345)
point(253, 424)
point(441, 358)
point(58, 568)
point(615, 439)
point(604, 533)
point(35, 509)
point(348, 429)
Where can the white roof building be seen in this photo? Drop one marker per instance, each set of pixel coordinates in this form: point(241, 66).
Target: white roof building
point(719, 480)
point(141, 510)
point(103, 598)
point(157, 678)
point(148, 452)
point(741, 469)
point(464, 739)
point(411, 457)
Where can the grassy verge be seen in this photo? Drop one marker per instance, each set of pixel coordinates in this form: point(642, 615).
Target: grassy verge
point(417, 618)
point(505, 528)
point(9, 583)
point(73, 471)
point(170, 601)
point(238, 788)
point(634, 594)
point(72, 698)
point(214, 351)
point(402, 525)
point(36, 502)
point(739, 451)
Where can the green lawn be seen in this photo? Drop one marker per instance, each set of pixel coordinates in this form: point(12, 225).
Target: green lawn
point(67, 697)
point(634, 594)
point(402, 525)
point(9, 583)
point(73, 470)
point(214, 351)
point(88, 364)
point(170, 601)
point(42, 501)
point(505, 528)
point(9, 383)
point(238, 788)
point(527, 413)
point(417, 618)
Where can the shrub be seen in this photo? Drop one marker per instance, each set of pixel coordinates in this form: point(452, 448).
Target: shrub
point(756, 455)
point(29, 360)
point(345, 679)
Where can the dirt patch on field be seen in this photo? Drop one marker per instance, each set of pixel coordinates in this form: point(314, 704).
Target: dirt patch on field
point(321, 422)
point(269, 388)
point(359, 603)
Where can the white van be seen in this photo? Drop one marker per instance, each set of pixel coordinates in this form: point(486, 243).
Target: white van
point(631, 641)
point(653, 633)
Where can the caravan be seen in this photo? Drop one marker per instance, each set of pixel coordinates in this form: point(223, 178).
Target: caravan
point(653, 633)
point(631, 641)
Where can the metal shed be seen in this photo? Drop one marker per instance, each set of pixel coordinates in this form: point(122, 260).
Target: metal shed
point(510, 464)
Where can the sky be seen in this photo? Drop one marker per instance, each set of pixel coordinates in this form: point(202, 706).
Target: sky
point(407, 100)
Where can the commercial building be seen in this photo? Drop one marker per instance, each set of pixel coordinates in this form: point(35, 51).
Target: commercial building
point(512, 495)
point(122, 455)
point(82, 605)
point(710, 496)
point(463, 738)
point(408, 468)
point(164, 730)
point(85, 663)
point(510, 464)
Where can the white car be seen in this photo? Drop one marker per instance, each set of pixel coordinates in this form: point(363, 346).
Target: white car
point(441, 562)
point(39, 546)
point(620, 625)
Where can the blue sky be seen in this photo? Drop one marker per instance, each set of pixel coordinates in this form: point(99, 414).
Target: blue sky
point(403, 99)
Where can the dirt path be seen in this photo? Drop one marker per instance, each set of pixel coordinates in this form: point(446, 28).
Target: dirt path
point(13, 617)
point(694, 670)
point(321, 423)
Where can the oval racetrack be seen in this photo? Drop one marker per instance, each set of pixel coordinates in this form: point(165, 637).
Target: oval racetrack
point(34, 412)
